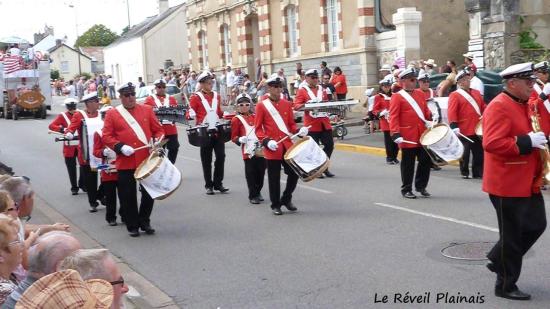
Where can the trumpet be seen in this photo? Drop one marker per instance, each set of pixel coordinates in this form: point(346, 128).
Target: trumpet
point(544, 153)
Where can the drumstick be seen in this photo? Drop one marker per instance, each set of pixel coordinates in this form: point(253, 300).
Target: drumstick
point(465, 137)
point(291, 137)
point(409, 142)
point(142, 147)
point(55, 132)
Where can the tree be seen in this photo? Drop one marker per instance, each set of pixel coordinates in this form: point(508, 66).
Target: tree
point(124, 30)
point(97, 35)
point(54, 74)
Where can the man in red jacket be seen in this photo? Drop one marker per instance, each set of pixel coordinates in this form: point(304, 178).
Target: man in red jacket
point(466, 107)
point(512, 177)
point(275, 121)
point(381, 109)
point(409, 116)
point(159, 98)
point(70, 149)
point(539, 100)
point(127, 127)
point(318, 122)
point(206, 109)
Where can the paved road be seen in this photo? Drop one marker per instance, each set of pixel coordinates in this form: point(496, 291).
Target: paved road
point(353, 237)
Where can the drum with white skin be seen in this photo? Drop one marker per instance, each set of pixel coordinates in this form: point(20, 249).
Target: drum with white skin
point(158, 176)
point(307, 159)
point(443, 142)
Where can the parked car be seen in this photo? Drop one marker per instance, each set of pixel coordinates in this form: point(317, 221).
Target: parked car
point(143, 92)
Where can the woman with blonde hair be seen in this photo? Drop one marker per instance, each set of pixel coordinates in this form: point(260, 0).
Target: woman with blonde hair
point(11, 251)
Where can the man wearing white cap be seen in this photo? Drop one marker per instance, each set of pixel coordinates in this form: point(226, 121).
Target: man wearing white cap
point(206, 109)
point(159, 98)
point(539, 99)
point(465, 110)
point(319, 125)
point(381, 109)
point(86, 123)
point(410, 117)
point(469, 60)
point(513, 177)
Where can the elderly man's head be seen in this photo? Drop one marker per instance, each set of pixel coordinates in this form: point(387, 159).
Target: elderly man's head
point(22, 194)
point(48, 252)
point(97, 264)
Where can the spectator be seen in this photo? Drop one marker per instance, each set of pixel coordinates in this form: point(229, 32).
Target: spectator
point(11, 248)
point(469, 60)
point(324, 69)
point(14, 50)
point(105, 99)
point(72, 89)
point(262, 86)
point(140, 82)
point(444, 87)
point(191, 83)
point(452, 65)
point(429, 67)
point(331, 91)
point(222, 81)
point(92, 87)
point(98, 264)
point(239, 78)
point(111, 84)
point(80, 88)
point(161, 73)
point(230, 81)
point(475, 82)
point(281, 74)
point(340, 84)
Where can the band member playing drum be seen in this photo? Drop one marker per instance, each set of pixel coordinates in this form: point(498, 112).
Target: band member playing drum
point(409, 116)
point(70, 149)
point(243, 134)
point(274, 124)
point(539, 100)
point(318, 122)
point(128, 128)
point(161, 99)
point(513, 176)
point(382, 110)
point(466, 107)
point(206, 109)
point(424, 85)
point(87, 122)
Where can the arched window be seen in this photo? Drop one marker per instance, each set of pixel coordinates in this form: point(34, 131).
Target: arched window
point(203, 49)
point(333, 25)
point(226, 44)
point(292, 34)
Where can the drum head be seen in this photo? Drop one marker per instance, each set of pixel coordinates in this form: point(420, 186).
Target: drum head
point(295, 149)
point(434, 135)
point(148, 166)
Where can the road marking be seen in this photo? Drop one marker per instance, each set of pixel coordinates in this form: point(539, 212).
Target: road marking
point(430, 215)
point(310, 188)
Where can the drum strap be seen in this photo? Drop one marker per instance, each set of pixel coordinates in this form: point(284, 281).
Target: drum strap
point(166, 102)
point(131, 121)
point(385, 97)
point(470, 100)
point(211, 114)
point(248, 128)
point(66, 119)
point(315, 98)
point(276, 116)
point(431, 92)
point(413, 104)
point(537, 88)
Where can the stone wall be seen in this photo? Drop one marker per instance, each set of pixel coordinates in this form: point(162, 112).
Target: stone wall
point(530, 55)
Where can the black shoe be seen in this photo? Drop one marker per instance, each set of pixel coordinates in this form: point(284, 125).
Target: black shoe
point(436, 168)
point(74, 191)
point(209, 191)
point(222, 189)
point(290, 206)
point(148, 229)
point(424, 193)
point(390, 162)
point(133, 232)
point(112, 223)
point(409, 194)
point(478, 177)
point(465, 177)
point(396, 161)
point(84, 190)
point(255, 200)
point(514, 295)
point(277, 211)
point(321, 176)
point(329, 174)
point(260, 197)
point(93, 207)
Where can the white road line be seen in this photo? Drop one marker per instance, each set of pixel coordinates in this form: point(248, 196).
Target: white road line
point(426, 214)
point(311, 188)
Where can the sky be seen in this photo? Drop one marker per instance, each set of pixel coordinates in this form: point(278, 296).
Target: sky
point(23, 18)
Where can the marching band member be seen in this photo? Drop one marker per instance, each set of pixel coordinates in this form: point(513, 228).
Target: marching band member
point(127, 127)
point(205, 108)
point(541, 94)
point(242, 134)
point(424, 85)
point(274, 122)
point(161, 99)
point(87, 123)
point(70, 149)
point(318, 122)
point(108, 174)
point(409, 116)
point(465, 110)
point(513, 177)
point(382, 110)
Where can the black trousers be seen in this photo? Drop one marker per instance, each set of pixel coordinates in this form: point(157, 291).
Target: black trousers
point(172, 146)
point(110, 193)
point(408, 158)
point(70, 163)
point(521, 221)
point(476, 149)
point(341, 97)
point(90, 183)
point(274, 180)
point(254, 170)
point(218, 147)
point(391, 148)
point(326, 138)
point(127, 192)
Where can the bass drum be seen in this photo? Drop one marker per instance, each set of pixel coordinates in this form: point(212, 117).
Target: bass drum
point(442, 143)
point(198, 136)
point(224, 130)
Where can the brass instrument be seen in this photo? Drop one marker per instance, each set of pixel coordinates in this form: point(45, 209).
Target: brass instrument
point(544, 153)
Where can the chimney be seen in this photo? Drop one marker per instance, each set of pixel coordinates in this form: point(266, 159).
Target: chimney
point(58, 42)
point(163, 6)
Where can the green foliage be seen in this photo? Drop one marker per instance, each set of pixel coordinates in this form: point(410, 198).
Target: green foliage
point(124, 30)
point(85, 74)
point(54, 74)
point(528, 37)
point(97, 35)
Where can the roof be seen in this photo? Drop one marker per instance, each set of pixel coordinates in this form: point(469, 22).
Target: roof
point(146, 25)
point(51, 50)
point(95, 52)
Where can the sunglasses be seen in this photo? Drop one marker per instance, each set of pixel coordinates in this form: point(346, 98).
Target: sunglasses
point(119, 281)
point(243, 104)
point(275, 85)
point(313, 77)
point(129, 94)
point(161, 86)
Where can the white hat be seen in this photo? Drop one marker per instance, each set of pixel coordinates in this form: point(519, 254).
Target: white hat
point(159, 81)
point(423, 75)
point(468, 55)
point(430, 62)
point(126, 86)
point(243, 96)
point(462, 73)
point(521, 70)
point(90, 96)
point(385, 67)
point(542, 66)
point(204, 76)
point(312, 72)
point(386, 80)
point(408, 73)
point(369, 92)
point(69, 101)
point(274, 78)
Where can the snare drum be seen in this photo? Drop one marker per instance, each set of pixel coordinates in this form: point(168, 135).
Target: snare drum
point(224, 131)
point(442, 142)
point(158, 176)
point(198, 136)
point(307, 159)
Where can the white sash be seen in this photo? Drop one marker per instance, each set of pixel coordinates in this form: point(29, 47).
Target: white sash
point(211, 114)
point(431, 93)
point(276, 116)
point(385, 97)
point(252, 140)
point(166, 102)
point(92, 125)
point(131, 121)
point(68, 143)
point(315, 98)
point(538, 89)
point(413, 104)
point(470, 100)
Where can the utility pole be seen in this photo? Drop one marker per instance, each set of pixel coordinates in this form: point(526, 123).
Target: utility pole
point(128, 11)
point(76, 28)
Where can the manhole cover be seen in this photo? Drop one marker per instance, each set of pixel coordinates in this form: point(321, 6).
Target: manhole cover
point(470, 251)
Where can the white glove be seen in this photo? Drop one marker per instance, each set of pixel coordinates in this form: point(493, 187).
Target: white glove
point(456, 131)
point(243, 139)
point(384, 113)
point(272, 145)
point(107, 152)
point(398, 140)
point(69, 136)
point(546, 89)
point(303, 131)
point(429, 124)
point(192, 113)
point(538, 139)
point(164, 121)
point(127, 150)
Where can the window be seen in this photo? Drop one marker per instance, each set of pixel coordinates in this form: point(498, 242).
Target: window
point(292, 31)
point(332, 19)
point(203, 49)
point(226, 45)
point(64, 67)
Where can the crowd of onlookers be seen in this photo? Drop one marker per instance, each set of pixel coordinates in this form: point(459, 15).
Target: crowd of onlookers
point(80, 86)
point(45, 266)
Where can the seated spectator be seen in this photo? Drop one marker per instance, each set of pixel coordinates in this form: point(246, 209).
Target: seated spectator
point(98, 264)
point(10, 255)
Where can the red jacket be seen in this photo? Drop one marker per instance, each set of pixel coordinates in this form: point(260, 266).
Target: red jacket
point(380, 104)
point(266, 128)
point(544, 114)
point(405, 121)
point(59, 124)
point(343, 87)
point(98, 152)
point(76, 125)
point(506, 172)
point(117, 132)
point(317, 124)
point(169, 129)
point(238, 130)
point(430, 93)
point(196, 105)
point(462, 114)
